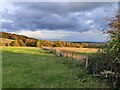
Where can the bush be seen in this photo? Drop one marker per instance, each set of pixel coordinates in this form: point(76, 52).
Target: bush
point(107, 62)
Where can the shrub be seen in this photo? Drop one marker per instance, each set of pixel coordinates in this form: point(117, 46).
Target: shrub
point(107, 62)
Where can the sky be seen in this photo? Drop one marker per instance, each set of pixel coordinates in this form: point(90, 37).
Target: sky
point(66, 21)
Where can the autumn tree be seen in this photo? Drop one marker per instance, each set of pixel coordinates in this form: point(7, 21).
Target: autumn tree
point(30, 42)
point(58, 43)
point(2, 44)
point(38, 44)
point(85, 45)
point(20, 41)
point(15, 43)
point(8, 44)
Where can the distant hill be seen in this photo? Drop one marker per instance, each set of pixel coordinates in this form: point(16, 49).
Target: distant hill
point(13, 36)
point(20, 39)
point(5, 40)
point(8, 39)
point(88, 42)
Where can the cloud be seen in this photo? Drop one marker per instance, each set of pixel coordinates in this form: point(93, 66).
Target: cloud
point(92, 35)
point(59, 7)
point(69, 16)
point(43, 34)
point(57, 20)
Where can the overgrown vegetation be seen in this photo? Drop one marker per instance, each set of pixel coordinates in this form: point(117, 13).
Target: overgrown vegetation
point(107, 63)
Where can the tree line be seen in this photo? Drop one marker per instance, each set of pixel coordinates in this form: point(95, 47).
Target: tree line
point(20, 40)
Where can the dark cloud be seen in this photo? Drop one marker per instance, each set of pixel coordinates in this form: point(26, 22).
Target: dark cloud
point(55, 16)
point(59, 7)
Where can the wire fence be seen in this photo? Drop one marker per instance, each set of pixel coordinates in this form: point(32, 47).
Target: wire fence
point(68, 54)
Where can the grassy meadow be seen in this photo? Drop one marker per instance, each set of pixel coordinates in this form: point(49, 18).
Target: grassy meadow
point(30, 67)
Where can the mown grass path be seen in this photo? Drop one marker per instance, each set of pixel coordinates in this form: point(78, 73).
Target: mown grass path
point(36, 68)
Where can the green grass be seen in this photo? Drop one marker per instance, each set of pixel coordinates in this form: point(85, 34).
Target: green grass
point(37, 68)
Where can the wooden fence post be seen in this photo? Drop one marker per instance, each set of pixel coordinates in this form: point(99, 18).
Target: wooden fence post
point(86, 62)
point(72, 55)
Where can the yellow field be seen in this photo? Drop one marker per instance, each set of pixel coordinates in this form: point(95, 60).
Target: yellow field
point(73, 53)
point(72, 49)
point(86, 50)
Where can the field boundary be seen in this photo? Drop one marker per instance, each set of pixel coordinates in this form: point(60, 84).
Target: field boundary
point(68, 54)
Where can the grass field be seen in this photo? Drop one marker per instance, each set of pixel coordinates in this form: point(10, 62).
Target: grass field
point(31, 67)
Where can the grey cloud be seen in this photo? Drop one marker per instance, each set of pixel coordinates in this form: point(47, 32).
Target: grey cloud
point(61, 7)
point(54, 16)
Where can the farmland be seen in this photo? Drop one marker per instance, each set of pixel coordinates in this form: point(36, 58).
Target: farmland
point(30, 67)
point(80, 50)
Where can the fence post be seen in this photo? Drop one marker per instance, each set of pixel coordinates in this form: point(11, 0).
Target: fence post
point(86, 62)
point(72, 55)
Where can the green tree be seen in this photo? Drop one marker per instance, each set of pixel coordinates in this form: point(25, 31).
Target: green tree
point(113, 49)
point(109, 58)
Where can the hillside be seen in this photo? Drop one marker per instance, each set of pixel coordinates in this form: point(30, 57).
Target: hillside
point(13, 36)
point(16, 40)
point(20, 40)
point(5, 40)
